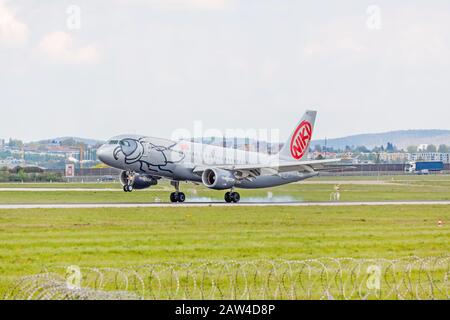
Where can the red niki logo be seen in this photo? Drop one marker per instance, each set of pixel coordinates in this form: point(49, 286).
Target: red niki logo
point(301, 139)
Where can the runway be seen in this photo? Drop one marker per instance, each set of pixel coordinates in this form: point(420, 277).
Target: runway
point(218, 204)
point(27, 188)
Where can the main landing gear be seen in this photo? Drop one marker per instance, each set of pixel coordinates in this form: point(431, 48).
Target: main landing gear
point(232, 197)
point(177, 196)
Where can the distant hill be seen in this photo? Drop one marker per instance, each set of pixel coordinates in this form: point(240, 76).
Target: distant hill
point(89, 142)
point(401, 139)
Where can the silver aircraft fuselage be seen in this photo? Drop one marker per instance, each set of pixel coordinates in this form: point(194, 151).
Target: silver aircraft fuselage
point(177, 161)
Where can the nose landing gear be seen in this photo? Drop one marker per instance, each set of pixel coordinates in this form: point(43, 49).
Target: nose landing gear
point(129, 181)
point(232, 197)
point(128, 188)
point(177, 196)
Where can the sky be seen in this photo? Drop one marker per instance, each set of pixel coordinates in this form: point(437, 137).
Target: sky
point(100, 68)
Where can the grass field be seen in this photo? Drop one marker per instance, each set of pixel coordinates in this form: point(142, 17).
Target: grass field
point(32, 239)
point(420, 189)
point(62, 185)
point(35, 238)
point(403, 178)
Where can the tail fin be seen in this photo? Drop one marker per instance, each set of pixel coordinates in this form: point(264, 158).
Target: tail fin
point(297, 146)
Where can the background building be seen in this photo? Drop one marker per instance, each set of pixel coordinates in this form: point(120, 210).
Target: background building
point(430, 156)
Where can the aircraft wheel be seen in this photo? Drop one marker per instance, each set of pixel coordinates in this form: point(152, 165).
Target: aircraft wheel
point(228, 197)
point(127, 188)
point(235, 197)
point(181, 197)
point(173, 197)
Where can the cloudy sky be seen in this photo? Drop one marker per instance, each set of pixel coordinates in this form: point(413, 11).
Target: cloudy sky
point(99, 68)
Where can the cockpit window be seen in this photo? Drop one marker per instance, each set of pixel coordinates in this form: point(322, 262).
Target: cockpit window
point(113, 142)
point(124, 143)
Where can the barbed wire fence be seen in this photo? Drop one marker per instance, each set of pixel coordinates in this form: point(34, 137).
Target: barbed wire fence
point(342, 278)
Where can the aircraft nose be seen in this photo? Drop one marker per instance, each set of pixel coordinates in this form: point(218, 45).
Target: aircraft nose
point(103, 154)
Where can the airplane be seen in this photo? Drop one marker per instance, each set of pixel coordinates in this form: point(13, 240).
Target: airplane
point(145, 160)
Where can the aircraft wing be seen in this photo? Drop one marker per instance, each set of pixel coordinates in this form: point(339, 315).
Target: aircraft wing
point(274, 168)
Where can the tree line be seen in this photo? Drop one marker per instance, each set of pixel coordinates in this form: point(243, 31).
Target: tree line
point(22, 175)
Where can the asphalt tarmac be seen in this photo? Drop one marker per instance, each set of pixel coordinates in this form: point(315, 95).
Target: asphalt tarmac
point(218, 204)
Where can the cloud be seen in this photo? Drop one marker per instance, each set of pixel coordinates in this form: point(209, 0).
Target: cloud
point(61, 46)
point(13, 32)
point(207, 5)
point(420, 37)
point(405, 38)
point(336, 45)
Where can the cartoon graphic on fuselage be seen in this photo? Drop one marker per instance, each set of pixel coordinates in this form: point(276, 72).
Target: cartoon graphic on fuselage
point(145, 160)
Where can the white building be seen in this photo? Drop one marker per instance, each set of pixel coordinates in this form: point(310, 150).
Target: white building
point(430, 156)
point(394, 157)
point(11, 163)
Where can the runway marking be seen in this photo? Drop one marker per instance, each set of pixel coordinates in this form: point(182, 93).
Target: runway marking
point(216, 204)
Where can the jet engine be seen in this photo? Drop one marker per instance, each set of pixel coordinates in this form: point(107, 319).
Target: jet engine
point(137, 181)
point(218, 179)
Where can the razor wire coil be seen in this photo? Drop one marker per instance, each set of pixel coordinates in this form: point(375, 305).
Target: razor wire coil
point(326, 278)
